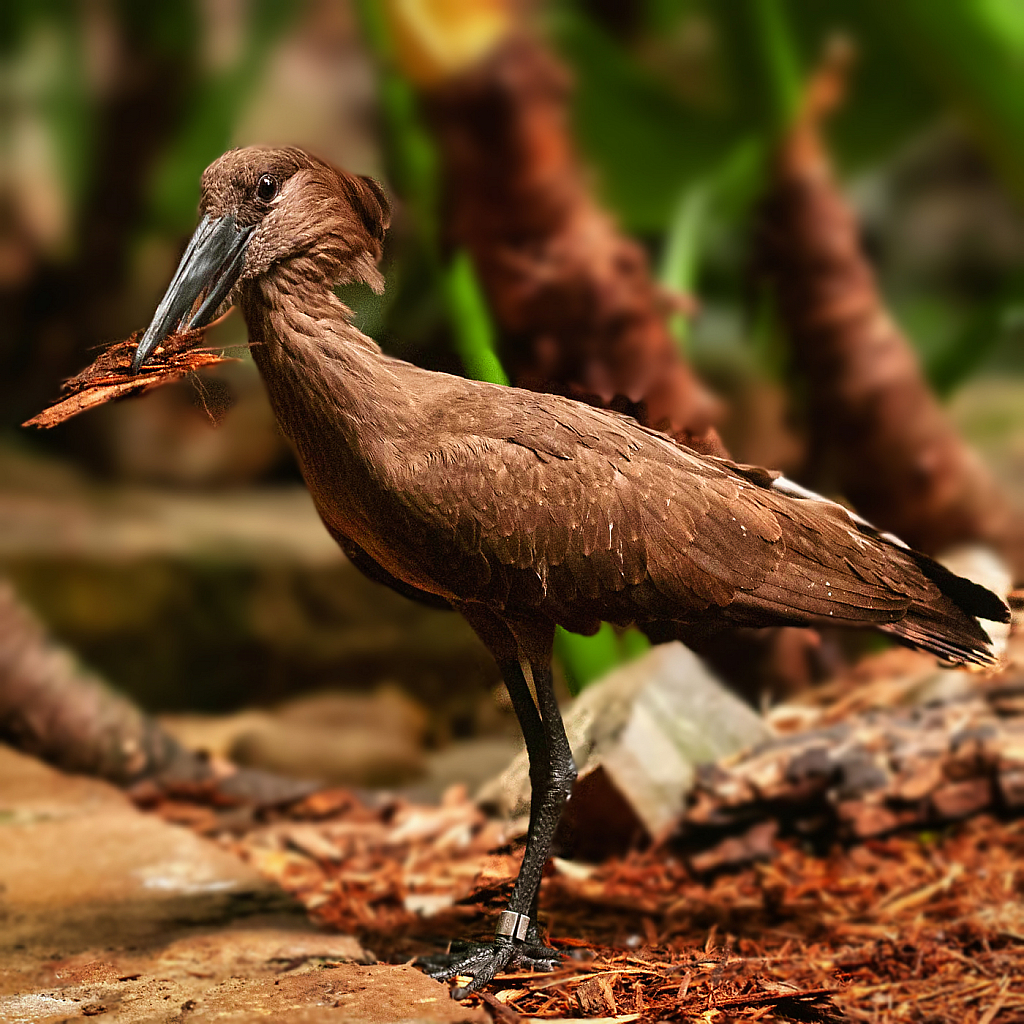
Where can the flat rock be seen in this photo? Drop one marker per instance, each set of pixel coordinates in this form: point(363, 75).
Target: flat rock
point(470, 763)
point(81, 867)
point(353, 993)
point(367, 756)
point(111, 913)
point(344, 739)
point(233, 975)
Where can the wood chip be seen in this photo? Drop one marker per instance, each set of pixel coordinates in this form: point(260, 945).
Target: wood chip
point(109, 376)
point(596, 997)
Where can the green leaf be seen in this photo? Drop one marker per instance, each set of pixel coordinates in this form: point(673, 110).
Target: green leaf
point(714, 203)
point(972, 53)
point(645, 142)
point(764, 60)
point(889, 100)
point(585, 659)
point(471, 322)
point(678, 271)
point(977, 339)
point(46, 80)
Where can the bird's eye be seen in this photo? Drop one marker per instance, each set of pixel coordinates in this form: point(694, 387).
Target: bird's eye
point(266, 188)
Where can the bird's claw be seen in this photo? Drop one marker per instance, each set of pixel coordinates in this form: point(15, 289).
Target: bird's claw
point(481, 961)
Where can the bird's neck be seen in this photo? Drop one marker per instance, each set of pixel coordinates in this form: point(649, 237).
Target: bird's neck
point(335, 394)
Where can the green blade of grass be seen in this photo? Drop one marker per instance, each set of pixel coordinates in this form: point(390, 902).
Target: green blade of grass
point(678, 271)
point(471, 321)
point(585, 659)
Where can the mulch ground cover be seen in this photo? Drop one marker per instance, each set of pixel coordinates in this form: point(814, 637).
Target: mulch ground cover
point(925, 926)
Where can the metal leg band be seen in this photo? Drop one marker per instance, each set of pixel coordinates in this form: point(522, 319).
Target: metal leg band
point(512, 925)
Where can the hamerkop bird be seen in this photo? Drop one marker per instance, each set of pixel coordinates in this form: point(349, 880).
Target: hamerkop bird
point(522, 511)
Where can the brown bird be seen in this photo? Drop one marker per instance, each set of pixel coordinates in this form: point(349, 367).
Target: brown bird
point(522, 511)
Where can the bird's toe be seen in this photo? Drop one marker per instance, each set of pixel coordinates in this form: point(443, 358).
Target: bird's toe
point(481, 962)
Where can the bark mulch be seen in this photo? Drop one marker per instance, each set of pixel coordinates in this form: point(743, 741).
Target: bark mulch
point(109, 377)
point(924, 922)
point(926, 926)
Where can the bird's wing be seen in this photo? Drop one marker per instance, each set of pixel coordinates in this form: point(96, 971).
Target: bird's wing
point(587, 515)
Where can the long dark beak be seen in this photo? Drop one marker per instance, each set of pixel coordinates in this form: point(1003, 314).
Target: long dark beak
point(212, 264)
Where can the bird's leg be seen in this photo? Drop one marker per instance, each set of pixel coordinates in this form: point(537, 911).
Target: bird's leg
point(552, 773)
point(536, 747)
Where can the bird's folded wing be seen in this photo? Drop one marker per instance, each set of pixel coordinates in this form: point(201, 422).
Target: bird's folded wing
point(581, 509)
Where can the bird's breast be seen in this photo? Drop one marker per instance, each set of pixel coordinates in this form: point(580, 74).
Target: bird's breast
point(353, 502)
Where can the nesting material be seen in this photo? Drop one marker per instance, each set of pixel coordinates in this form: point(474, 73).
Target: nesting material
point(109, 377)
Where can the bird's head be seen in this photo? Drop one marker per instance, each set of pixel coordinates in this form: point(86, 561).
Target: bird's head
point(263, 208)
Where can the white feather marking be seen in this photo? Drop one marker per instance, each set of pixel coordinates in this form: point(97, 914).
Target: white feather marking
point(794, 490)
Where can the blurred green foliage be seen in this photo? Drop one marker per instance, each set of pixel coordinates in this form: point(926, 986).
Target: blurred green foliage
point(213, 106)
point(41, 55)
point(673, 113)
point(585, 659)
point(676, 117)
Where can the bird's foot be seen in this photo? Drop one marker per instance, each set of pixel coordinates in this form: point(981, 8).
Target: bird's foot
point(481, 961)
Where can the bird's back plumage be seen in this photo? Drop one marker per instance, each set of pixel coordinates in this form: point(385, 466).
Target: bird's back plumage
point(534, 506)
point(537, 505)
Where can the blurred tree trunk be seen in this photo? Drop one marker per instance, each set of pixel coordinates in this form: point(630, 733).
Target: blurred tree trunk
point(878, 433)
point(576, 306)
point(53, 708)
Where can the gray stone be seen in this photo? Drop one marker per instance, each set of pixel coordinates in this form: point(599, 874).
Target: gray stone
point(468, 763)
point(640, 733)
point(363, 756)
point(346, 739)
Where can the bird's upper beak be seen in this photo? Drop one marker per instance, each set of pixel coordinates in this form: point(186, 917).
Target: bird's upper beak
point(209, 269)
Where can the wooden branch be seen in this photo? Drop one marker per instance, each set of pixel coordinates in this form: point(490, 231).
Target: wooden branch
point(53, 708)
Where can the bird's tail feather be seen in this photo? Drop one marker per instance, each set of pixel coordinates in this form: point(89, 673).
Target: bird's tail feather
point(945, 608)
point(948, 625)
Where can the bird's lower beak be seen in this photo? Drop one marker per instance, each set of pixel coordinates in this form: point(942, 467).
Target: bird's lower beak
point(208, 271)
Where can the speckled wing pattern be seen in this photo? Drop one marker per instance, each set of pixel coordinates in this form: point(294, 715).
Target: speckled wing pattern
point(579, 514)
